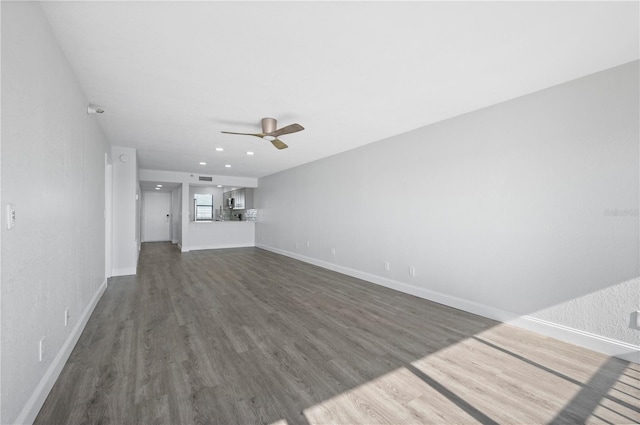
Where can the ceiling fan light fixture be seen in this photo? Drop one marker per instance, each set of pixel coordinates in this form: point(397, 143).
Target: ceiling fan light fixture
point(269, 138)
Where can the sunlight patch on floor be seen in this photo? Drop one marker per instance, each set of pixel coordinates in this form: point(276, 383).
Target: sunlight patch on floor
point(501, 375)
point(395, 397)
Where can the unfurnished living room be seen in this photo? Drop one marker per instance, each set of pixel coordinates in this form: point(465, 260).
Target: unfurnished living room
point(314, 212)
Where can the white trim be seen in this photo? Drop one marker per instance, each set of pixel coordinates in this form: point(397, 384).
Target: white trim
point(221, 246)
point(123, 272)
point(584, 339)
point(34, 404)
point(611, 347)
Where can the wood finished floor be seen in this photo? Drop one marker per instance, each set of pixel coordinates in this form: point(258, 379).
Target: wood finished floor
point(245, 336)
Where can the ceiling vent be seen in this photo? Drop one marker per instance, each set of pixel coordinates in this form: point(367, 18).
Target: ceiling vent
point(205, 179)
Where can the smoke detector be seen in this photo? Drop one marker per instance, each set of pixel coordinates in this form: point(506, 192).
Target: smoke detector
point(93, 109)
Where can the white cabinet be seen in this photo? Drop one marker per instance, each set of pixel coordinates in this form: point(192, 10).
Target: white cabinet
point(238, 196)
point(248, 198)
point(242, 198)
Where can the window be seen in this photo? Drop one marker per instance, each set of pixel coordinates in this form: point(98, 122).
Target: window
point(203, 207)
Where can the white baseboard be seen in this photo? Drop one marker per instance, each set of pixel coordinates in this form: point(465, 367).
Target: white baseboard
point(127, 271)
point(220, 246)
point(34, 404)
point(584, 339)
point(601, 344)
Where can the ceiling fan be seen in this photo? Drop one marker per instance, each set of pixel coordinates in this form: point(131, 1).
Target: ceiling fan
point(271, 133)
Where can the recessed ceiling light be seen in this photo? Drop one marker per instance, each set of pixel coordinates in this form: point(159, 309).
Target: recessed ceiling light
point(159, 185)
point(219, 185)
point(249, 153)
point(227, 165)
point(157, 188)
point(219, 149)
point(203, 163)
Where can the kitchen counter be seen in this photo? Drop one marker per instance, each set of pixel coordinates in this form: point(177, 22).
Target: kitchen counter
point(221, 234)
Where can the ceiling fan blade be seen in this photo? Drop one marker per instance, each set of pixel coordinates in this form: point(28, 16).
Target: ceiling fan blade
point(293, 128)
point(279, 144)
point(245, 134)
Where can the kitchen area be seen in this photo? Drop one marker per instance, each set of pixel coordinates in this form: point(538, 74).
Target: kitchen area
point(237, 205)
point(221, 217)
point(205, 211)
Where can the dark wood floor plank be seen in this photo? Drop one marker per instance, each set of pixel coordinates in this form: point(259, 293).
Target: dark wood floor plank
point(246, 336)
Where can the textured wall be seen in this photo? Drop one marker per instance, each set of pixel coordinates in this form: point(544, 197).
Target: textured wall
point(53, 172)
point(585, 312)
point(507, 207)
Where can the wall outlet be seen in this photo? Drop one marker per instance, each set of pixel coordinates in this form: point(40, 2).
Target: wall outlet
point(308, 244)
point(333, 251)
point(41, 349)
point(412, 271)
point(11, 216)
point(638, 319)
point(297, 245)
point(387, 266)
point(66, 317)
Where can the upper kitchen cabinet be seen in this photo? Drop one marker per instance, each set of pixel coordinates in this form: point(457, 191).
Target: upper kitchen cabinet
point(238, 196)
point(248, 198)
point(242, 199)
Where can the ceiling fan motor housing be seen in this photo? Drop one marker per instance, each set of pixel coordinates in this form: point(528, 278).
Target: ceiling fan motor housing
point(269, 125)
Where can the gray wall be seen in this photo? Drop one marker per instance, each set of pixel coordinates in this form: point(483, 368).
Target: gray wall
point(126, 212)
point(505, 209)
point(176, 229)
point(53, 171)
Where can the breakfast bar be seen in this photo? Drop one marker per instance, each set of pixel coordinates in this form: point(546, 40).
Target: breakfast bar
point(221, 234)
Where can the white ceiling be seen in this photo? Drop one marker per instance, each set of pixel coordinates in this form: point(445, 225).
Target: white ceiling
point(172, 75)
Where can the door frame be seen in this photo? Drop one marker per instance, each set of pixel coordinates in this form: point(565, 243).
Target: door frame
point(143, 236)
point(108, 206)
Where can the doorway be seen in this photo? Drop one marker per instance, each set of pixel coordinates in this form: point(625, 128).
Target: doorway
point(156, 216)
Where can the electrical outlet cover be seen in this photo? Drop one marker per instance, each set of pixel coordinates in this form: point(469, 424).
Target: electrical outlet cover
point(11, 216)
